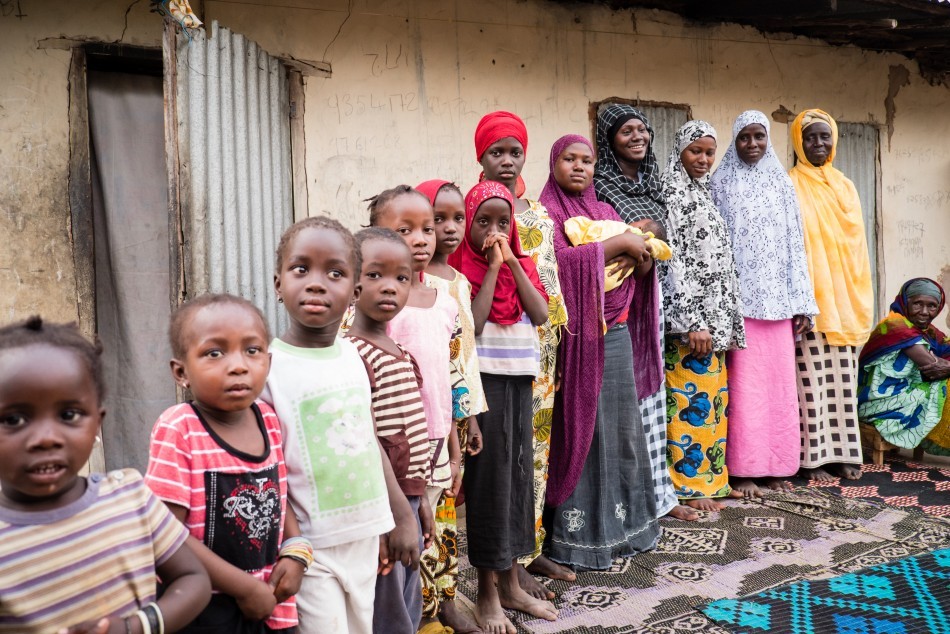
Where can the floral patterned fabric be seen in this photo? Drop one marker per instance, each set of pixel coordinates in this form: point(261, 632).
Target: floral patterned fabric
point(759, 205)
point(536, 231)
point(701, 288)
point(461, 291)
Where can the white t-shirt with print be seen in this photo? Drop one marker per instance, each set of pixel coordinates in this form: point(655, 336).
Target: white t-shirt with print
point(334, 470)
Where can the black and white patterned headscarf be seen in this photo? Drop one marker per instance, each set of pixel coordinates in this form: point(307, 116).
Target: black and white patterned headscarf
point(633, 200)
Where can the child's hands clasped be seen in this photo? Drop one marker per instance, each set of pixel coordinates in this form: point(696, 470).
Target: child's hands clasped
point(285, 578)
point(497, 250)
point(258, 601)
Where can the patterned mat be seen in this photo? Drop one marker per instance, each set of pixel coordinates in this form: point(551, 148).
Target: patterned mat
point(747, 548)
point(907, 596)
point(898, 482)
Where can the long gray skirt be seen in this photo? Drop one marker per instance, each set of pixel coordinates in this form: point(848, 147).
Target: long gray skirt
point(612, 512)
point(499, 480)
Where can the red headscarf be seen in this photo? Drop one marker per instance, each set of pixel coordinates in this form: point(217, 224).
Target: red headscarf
point(431, 189)
point(506, 306)
point(495, 126)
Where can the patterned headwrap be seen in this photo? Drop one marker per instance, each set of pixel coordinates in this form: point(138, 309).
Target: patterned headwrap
point(897, 332)
point(632, 200)
point(470, 260)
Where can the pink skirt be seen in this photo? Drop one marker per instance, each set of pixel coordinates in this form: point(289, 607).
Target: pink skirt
point(764, 435)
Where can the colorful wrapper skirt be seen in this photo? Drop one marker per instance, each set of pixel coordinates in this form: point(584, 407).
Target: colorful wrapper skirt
point(697, 400)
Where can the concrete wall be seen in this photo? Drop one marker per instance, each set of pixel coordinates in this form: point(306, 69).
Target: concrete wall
point(411, 78)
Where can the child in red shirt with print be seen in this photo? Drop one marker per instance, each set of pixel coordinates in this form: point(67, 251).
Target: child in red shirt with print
point(217, 463)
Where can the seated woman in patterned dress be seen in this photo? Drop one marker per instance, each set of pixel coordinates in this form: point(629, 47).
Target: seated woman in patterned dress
point(904, 369)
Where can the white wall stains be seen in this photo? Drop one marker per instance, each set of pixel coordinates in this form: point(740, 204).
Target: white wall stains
point(411, 79)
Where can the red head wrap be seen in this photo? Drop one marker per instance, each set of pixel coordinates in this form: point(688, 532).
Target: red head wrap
point(506, 305)
point(495, 126)
point(498, 125)
point(431, 189)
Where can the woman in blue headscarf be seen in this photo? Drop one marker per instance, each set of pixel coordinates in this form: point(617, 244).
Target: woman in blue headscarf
point(903, 372)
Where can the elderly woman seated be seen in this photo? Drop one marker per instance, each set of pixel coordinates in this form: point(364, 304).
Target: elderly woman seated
point(904, 369)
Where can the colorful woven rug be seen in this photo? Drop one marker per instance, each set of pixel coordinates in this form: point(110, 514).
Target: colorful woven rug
point(747, 548)
point(907, 596)
point(898, 482)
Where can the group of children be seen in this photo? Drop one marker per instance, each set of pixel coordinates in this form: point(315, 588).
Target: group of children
point(308, 475)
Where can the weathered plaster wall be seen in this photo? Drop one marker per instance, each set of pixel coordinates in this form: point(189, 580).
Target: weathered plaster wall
point(411, 78)
point(36, 260)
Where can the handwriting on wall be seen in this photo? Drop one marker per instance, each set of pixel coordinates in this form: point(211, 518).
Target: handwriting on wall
point(911, 238)
point(12, 9)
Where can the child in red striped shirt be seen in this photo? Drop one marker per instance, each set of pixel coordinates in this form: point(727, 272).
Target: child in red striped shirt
point(217, 463)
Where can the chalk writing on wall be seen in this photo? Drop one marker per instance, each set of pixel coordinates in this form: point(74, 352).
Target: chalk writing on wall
point(911, 238)
point(933, 200)
point(12, 9)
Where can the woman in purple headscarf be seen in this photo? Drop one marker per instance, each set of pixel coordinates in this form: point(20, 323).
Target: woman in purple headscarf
point(600, 501)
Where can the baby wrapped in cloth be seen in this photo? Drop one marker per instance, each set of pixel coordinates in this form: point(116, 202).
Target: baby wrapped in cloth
point(583, 230)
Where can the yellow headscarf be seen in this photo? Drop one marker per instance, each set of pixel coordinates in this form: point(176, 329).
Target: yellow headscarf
point(835, 243)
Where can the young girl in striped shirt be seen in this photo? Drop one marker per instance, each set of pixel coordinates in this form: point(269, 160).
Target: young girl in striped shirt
point(217, 462)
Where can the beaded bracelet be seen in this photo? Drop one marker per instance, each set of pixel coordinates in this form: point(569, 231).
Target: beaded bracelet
point(299, 549)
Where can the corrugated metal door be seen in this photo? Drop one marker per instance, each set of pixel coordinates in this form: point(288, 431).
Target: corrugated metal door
point(236, 196)
point(857, 158)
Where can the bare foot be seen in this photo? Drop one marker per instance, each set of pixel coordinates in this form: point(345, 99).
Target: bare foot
point(518, 599)
point(706, 504)
point(778, 484)
point(451, 616)
point(491, 618)
point(544, 567)
point(488, 612)
point(746, 486)
point(735, 494)
point(684, 513)
point(531, 585)
point(817, 474)
point(849, 471)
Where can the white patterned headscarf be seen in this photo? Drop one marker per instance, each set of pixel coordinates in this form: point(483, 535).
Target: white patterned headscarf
point(678, 186)
point(759, 206)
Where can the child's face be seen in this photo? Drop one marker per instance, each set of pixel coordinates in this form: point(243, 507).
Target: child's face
point(449, 211)
point(49, 418)
point(574, 168)
point(386, 278)
point(318, 279)
point(411, 217)
point(503, 161)
point(492, 216)
point(226, 360)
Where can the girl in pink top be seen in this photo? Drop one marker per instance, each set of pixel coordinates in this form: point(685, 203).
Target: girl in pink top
point(429, 328)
